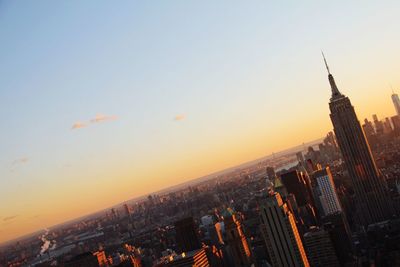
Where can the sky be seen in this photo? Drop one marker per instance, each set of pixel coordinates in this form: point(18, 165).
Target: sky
point(104, 101)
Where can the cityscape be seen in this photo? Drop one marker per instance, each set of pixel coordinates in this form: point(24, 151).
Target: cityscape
point(338, 205)
point(210, 186)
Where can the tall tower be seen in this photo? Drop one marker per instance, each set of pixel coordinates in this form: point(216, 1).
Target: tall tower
point(396, 103)
point(369, 186)
point(280, 233)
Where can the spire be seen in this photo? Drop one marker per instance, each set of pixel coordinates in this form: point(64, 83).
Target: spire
point(326, 64)
point(335, 90)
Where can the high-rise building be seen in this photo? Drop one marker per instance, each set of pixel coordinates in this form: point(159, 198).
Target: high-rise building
point(369, 186)
point(378, 125)
point(337, 227)
point(396, 124)
point(236, 241)
point(326, 199)
point(186, 235)
point(298, 184)
point(280, 233)
point(319, 247)
point(396, 103)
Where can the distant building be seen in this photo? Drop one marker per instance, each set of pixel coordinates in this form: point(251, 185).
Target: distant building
point(280, 233)
point(236, 241)
point(271, 173)
point(325, 196)
point(372, 203)
point(320, 251)
point(396, 124)
point(378, 125)
point(396, 103)
point(186, 235)
point(127, 210)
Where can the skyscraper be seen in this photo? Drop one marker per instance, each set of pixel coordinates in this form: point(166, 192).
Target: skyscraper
point(319, 247)
point(298, 183)
point(280, 233)
point(186, 235)
point(368, 184)
point(325, 196)
point(236, 241)
point(396, 103)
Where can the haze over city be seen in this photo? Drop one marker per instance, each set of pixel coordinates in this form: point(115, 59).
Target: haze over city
point(107, 101)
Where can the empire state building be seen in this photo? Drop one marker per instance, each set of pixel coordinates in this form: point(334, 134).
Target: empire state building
point(372, 203)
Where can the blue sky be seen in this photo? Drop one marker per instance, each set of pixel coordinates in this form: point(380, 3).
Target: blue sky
point(246, 77)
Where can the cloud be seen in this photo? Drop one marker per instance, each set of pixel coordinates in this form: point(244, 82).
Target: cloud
point(19, 161)
point(102, 118)
point(78, 125)
point(9, 218)
point(99, 118)
point(179, 117)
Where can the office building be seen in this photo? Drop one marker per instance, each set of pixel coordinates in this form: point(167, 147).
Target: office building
point(326, 199)
point(186, 235)
point(319, 247)
point(298, 184)
point(235, 239)
point(369, 186)
point(280, 233)
point(339, 231)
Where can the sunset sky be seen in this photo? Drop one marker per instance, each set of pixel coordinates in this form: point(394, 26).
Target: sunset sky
point(103, 101)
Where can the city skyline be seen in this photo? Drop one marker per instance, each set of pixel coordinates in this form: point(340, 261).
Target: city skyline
point(75, 136)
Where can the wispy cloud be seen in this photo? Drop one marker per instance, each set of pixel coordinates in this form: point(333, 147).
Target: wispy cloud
point(9, 218)
point(103, 118)
point(78, 125)
point(19, 161)
point(180, 117)
point(97, 119)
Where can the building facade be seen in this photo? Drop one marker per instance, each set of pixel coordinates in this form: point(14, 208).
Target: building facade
point(280, 233)
point(369, 186)
point(325, 196)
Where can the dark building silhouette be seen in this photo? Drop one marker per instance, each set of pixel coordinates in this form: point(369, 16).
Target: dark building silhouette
point(86, 259)
point(320, 251)
point(337, 227)
point(370, 192)
point(186, 235)
point(298, 184)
